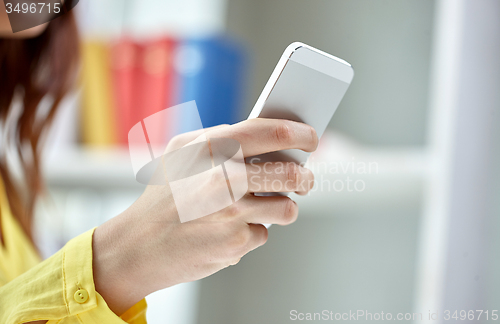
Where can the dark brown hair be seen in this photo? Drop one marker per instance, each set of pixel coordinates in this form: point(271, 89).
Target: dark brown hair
point(31, 69)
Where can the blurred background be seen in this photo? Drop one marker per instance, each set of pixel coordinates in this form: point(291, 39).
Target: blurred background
point(419, 233)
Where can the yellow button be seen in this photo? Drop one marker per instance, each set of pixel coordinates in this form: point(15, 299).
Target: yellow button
point(81, 296)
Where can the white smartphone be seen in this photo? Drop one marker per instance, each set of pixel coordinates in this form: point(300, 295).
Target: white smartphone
point(306, 86)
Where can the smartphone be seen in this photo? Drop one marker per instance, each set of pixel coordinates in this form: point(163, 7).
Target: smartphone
point(306, 86)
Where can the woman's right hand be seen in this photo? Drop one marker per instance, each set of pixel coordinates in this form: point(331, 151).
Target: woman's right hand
point(147, 248)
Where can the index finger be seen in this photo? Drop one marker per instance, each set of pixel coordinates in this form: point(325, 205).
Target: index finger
point(262, 135)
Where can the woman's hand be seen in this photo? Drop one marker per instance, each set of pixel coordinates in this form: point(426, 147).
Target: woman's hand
point(147, 248)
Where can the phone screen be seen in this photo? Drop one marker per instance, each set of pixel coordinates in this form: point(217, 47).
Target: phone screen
point(305, 94)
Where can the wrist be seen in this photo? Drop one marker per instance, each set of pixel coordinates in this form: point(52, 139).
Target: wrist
point(116, 268)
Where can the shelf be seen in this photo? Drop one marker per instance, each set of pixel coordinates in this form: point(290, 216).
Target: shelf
point(92, 167)
point(388, 177)
point(390, 174)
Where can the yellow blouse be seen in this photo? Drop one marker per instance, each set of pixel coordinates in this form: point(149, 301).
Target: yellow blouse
point(59, 289)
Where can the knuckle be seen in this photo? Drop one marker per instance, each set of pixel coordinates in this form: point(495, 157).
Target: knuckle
point(177, 138)
point(283, 134)
point(233, 211)
point(234, 261)
point(292, 174)
point(239, 240)
point(174, 143)
point(291, 212)
point(217, 179)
